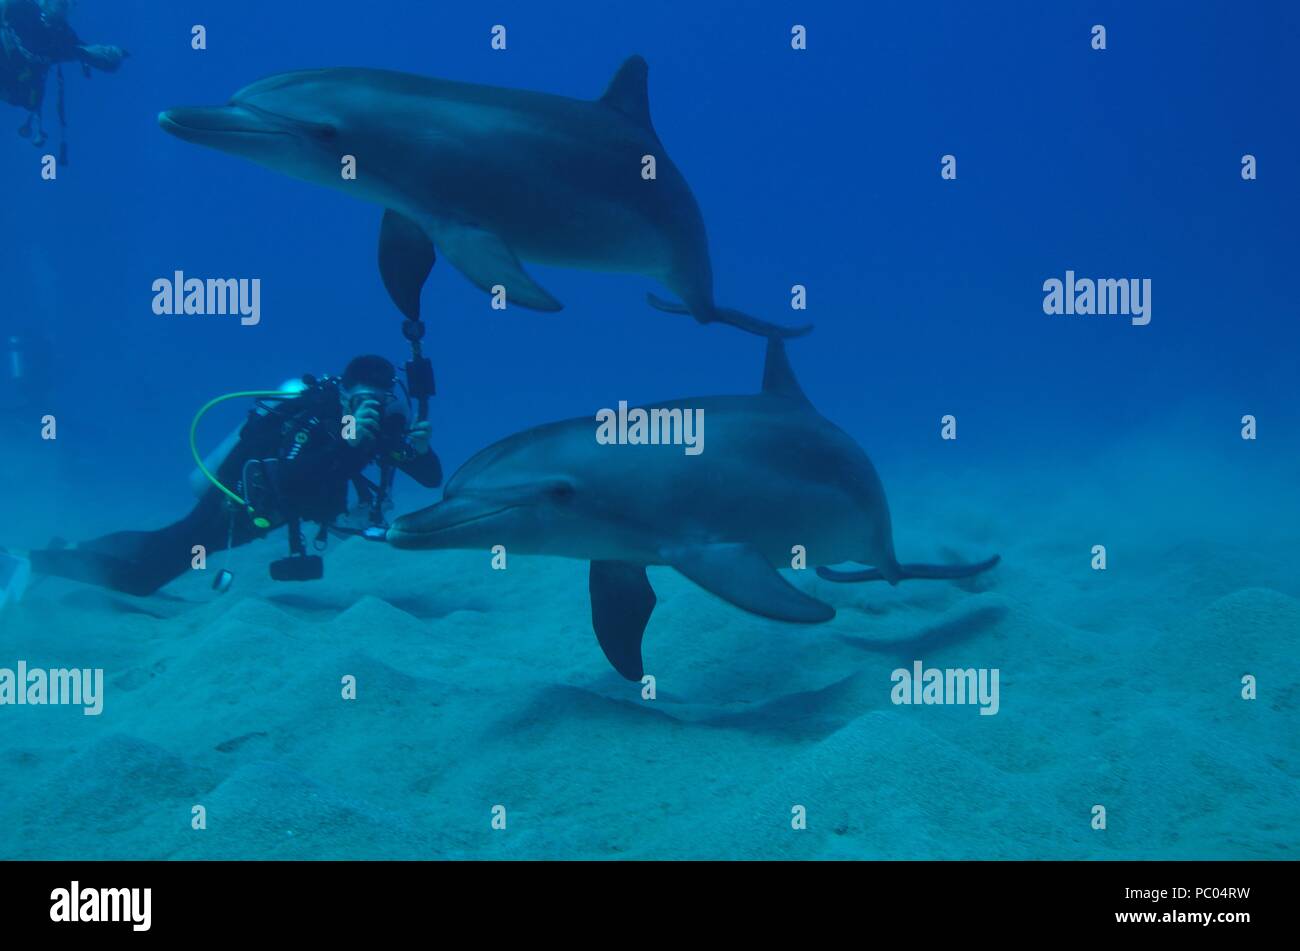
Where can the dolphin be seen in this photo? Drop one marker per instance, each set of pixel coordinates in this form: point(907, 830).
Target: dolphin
point(774, 474)
point(488, 176)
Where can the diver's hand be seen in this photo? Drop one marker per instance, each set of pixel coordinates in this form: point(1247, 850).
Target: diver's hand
point(367, 422)
point(106, 58)
point(419, 436)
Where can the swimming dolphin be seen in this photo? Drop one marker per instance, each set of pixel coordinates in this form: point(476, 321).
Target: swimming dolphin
point(489, 176)
point(774, 474)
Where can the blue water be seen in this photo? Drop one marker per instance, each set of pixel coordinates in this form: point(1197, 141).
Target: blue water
point(818, 167)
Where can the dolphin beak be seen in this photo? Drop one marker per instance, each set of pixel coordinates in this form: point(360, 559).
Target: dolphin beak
point(207, 125)
point(406, 533)
point(439, 525)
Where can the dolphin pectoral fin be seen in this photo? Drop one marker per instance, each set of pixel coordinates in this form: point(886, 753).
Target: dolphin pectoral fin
point(621, 603)
point(742, 576)
point(487, 260)
point(406, 257)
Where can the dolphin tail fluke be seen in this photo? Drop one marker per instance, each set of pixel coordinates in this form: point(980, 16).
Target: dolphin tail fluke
point(906, 572)
point(736, 318)
point(754, 325)
point(850, 577)
point(621, 604)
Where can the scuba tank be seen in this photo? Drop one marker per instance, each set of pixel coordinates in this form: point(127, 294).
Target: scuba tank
point(212, 461)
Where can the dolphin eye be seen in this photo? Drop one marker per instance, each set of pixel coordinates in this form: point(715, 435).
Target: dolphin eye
point(327, 133)
point(560, 492)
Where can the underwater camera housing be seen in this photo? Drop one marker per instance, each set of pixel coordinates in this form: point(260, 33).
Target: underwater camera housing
point(298, 568)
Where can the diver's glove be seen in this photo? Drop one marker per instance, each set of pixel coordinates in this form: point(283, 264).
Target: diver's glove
point(105, 58)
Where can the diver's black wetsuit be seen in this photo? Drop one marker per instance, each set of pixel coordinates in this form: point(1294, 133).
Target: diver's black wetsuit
point(31, 42)
point(51, 39)
point(314, 467)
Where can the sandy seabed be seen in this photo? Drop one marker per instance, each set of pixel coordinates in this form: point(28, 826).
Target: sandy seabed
point(478, 688)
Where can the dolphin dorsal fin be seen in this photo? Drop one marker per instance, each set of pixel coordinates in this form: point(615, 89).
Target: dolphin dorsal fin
point(627, 91)
point(778, 377)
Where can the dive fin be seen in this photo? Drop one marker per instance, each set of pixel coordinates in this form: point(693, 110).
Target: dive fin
point(487, 260)
point(740, 575)
point(627, 92)
point(728, 315)
point(621, 603)
point(406, 257)
point(910, 571)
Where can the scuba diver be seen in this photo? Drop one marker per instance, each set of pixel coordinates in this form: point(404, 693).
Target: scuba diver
point(35, 35)
point(291, 462)
point(26, 371)
point(26, 393)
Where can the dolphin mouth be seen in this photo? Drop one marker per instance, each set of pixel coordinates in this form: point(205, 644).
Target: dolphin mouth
point(207, 123)
point(425, 528)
